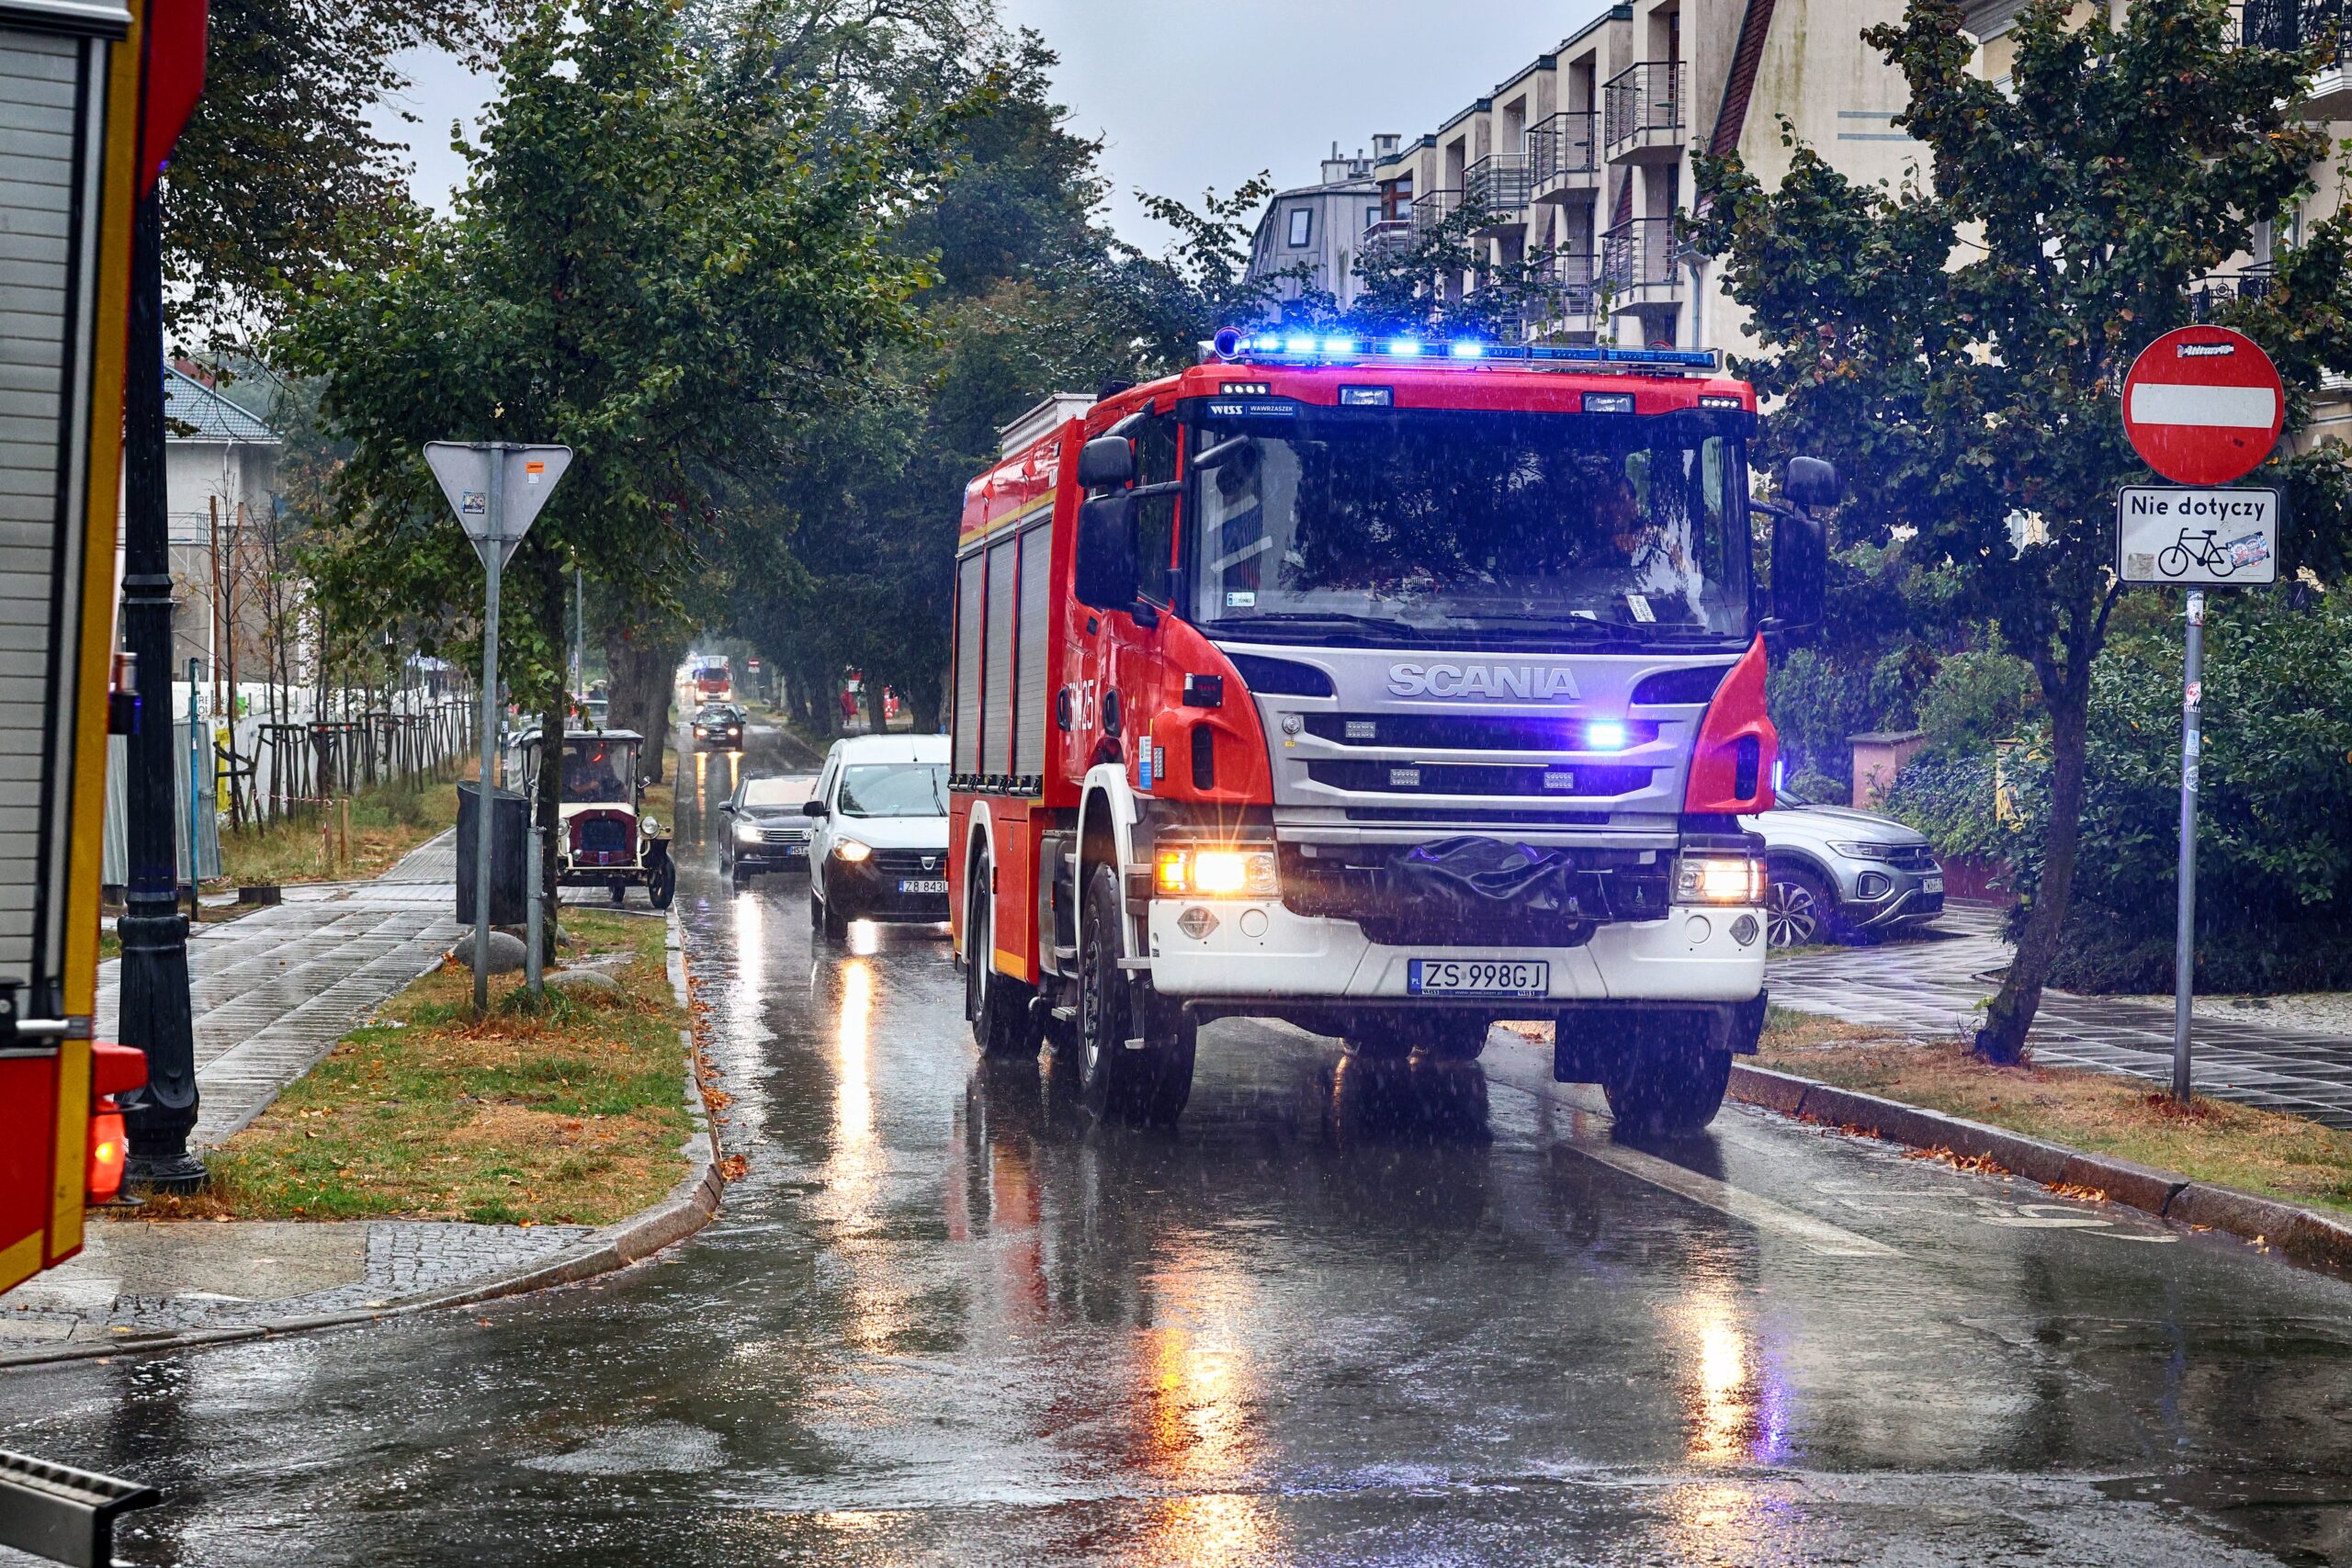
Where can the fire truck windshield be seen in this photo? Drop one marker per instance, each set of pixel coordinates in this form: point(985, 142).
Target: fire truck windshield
point(1507, 528)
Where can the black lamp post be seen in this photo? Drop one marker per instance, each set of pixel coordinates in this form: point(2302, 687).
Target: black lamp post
point(156, 1014)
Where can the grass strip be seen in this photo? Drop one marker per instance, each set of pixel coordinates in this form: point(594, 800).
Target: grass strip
point(2211, 1141)
point(569, 1111)
point(387, 820)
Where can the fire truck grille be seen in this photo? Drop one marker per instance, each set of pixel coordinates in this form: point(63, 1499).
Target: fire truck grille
point(1468, 732)
point(1363, 883)
point(1550, 780)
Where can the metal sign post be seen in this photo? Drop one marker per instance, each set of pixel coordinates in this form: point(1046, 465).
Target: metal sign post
point(2183, 951)
point(480, 479)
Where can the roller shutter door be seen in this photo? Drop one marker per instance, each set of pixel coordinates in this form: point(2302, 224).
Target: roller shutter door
point(996, 747)
point(970, 623)
point(39, 77)
point(1029, 732)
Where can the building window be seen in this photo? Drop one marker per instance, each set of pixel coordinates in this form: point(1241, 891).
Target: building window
point(1302, 226)
point(1371, 216)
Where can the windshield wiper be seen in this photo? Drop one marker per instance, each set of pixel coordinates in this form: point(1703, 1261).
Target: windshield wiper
point(1308, 619)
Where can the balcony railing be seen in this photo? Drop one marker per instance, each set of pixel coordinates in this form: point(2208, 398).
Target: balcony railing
point(1561, 145)
point(1638, 253)
point(1385, 233)
point(2294, 25)
point(1433, 208)
point(1642, 99)
point(2207, 296)
point(1498, 182)
point(1568, 283)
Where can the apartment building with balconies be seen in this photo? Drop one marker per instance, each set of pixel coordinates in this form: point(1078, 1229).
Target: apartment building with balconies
point(1309, 237)
point(1583, 156)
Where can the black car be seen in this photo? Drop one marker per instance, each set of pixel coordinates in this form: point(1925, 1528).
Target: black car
point(767, 829)
point(720, 727)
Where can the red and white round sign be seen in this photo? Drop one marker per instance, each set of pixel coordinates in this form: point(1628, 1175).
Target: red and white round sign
point(2203, 405)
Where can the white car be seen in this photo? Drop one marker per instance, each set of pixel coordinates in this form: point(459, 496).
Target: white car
point(879, 851)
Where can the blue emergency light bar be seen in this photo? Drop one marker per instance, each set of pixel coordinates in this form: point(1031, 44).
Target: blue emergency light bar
point(1232, 346)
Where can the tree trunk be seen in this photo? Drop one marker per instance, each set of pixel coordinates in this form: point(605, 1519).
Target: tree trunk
point(922, 696)
point(642, 663)
point(2010, 1014)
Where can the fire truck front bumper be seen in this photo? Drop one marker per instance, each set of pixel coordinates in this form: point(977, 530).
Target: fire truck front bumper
point(1250, 956)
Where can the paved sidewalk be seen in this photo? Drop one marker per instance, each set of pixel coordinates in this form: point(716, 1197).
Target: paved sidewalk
point(274, 989)
point(1934, 987)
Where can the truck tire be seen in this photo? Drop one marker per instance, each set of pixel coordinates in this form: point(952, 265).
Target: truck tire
point(997, 1005)
point(1144, 1085)
point(1452, 1039)
point(1378, 1044)
point(1667, 1085)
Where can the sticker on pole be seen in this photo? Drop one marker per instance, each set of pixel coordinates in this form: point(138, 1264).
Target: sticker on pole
point(2203, 405)
point(2203, 536)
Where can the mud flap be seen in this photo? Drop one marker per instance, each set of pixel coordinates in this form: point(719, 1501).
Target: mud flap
point(1586, 1041)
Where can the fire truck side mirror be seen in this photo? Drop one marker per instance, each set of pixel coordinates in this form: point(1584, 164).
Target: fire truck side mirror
point(1105, 463)
point(1106, 553)
point(1800, 571)
point(1812, 483)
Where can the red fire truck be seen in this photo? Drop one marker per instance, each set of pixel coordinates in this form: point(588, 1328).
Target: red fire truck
point(1389, 689)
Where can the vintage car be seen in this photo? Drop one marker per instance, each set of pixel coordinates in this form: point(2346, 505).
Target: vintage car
point(608, 842)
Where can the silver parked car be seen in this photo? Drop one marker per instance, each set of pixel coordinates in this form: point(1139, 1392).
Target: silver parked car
point(1837, 873)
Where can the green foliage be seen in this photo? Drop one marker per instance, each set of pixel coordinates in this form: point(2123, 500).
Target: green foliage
point(1816, 703)
point(279, 178)
point(1958, 348)
point(1976, 697)
point(663, 259)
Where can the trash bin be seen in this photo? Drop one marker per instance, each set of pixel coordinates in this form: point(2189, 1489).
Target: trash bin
point(510, 816)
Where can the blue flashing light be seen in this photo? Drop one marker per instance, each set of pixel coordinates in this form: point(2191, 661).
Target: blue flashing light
point(1466, 349)
point(1604, 735)
point(1227, 345)
point(1298, 346)
point(1403, 348)
point(1339, 345)
point(1266, 343)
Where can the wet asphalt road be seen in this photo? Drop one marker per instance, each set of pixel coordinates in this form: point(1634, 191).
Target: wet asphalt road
point(1337, 1316)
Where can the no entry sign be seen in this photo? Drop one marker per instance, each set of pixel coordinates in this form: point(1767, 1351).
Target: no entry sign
point(2203, 405)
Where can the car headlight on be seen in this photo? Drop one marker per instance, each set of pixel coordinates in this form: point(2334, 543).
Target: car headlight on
point(1217, 874)
point(852, 851)
point(749, 833)
point(1718, 879)
point(1867, 849)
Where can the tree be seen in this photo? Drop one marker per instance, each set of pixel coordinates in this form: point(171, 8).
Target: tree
point(1959, 349)
point(279, 178)
point(664, 258)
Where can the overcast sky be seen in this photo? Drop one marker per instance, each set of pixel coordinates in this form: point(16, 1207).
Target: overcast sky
point(1193, 94)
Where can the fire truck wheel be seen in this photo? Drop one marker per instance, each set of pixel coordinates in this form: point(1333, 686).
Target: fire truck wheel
point(1379, 1043)
point(997, 1005)
point(1452, 1039)
point(1667, 1085)
point(1145, 1084)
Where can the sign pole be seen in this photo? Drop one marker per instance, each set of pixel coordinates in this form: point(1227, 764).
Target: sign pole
point(2184, 959)
point(485, 819)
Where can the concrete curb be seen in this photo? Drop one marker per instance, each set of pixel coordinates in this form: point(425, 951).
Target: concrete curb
point(690, 1205)
point(2307, 1235)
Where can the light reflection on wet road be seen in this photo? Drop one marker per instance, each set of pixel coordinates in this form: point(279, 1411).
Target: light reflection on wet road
point(1398, 1316)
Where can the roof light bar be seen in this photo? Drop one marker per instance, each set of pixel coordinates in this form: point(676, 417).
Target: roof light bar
point(1302, 348)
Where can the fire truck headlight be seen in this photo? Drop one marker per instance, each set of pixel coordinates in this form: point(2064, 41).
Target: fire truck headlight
point(1718, 879)
point(852, 851)
point(1217, 873)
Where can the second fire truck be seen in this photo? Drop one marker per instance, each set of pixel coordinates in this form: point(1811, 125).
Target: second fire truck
point(1392, 690)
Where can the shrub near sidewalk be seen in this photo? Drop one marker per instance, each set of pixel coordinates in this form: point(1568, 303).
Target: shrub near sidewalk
point(387, 821)
point(2211, 1141)
point(572, 1113)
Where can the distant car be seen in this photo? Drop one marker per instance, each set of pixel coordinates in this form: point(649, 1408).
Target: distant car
point(1836, 873)
point(720, 727)
point(766, 830)
point(880, 851)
